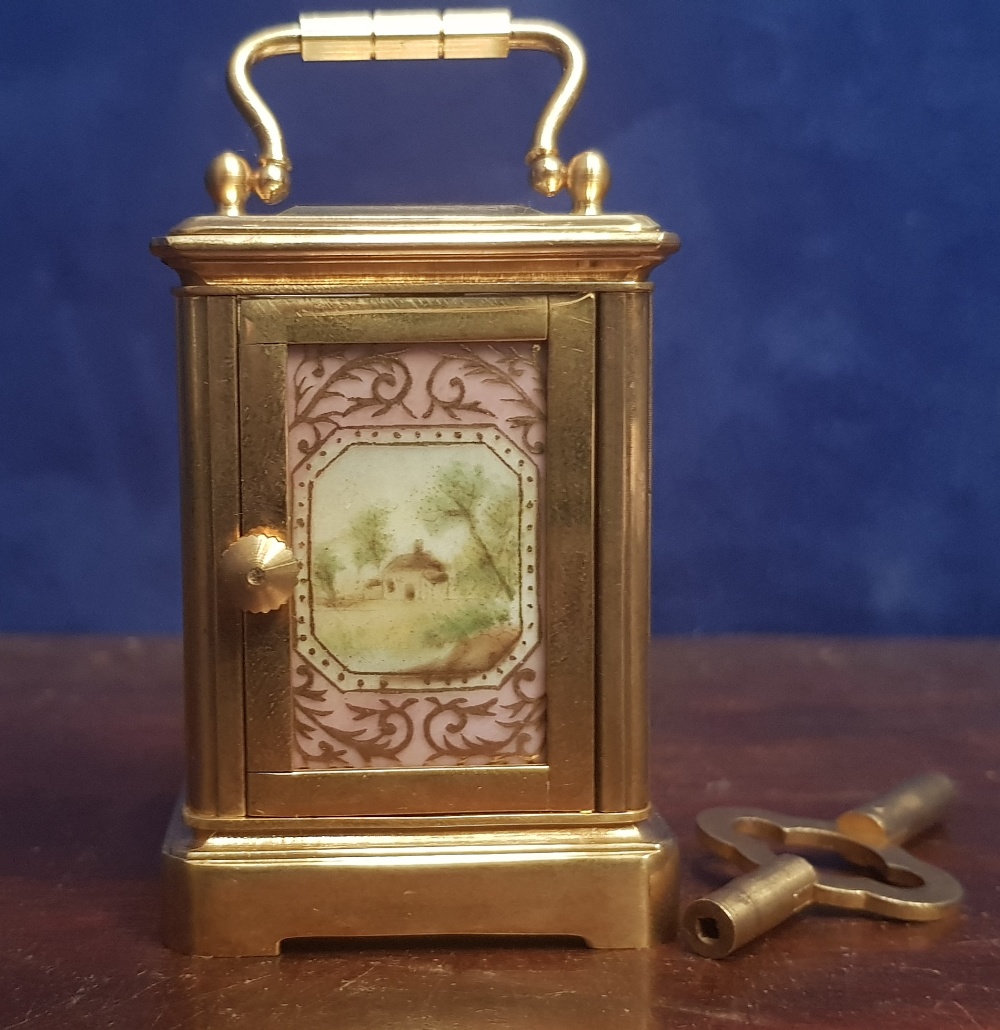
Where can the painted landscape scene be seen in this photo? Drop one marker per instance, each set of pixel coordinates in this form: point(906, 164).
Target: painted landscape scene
point(415, 559)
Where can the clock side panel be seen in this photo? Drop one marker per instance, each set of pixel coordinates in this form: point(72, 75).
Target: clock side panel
point(210, 522)
point(623, 530)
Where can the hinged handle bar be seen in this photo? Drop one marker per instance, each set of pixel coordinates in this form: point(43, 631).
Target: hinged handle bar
point(406, 35)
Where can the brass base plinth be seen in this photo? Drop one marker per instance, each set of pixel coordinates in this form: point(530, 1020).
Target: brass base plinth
point(612, 886)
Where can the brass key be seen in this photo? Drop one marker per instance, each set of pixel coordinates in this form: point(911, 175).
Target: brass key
point(782, 885)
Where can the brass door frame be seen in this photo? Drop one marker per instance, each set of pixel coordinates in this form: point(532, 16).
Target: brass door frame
point(568, 327)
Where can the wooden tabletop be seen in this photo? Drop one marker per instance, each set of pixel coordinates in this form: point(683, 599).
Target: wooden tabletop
point(90, 763)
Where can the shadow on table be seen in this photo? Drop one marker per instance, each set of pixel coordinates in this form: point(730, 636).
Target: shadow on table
point(440, 984)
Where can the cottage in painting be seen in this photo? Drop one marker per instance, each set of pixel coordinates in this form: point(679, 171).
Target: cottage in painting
point(417, 575)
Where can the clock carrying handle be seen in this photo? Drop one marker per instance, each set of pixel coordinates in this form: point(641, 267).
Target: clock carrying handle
point(407, 36)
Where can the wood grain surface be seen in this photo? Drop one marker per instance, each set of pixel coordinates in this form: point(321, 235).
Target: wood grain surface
point(90, 761)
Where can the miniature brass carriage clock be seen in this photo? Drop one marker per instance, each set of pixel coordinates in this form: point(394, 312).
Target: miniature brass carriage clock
point(415, 487)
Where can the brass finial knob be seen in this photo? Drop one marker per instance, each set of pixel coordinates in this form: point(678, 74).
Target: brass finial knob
point(229, 181)
point(589, 179)
point(259, 572)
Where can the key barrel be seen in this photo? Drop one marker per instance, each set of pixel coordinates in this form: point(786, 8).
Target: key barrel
point(901, 814)
point(748, 906)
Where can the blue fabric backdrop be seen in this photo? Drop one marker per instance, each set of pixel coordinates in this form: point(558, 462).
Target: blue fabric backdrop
point(827, 367)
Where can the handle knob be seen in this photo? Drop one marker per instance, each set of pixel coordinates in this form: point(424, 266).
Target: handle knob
point(259, 572)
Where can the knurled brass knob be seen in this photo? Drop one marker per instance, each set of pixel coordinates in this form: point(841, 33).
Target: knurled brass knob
point(259, 572)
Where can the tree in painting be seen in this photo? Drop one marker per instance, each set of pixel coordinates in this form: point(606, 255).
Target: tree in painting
point(369, 538)
point(326, 566)
point(461, 495)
